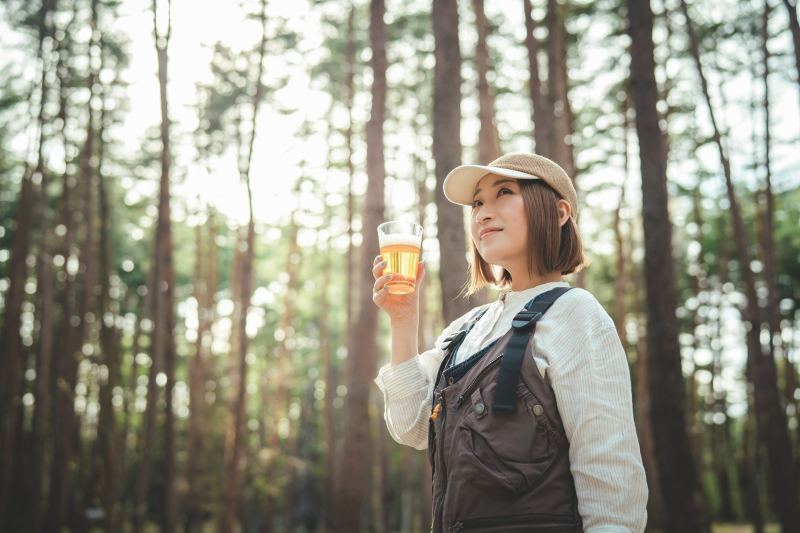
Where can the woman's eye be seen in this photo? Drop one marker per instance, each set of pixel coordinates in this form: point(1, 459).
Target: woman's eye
point(475, 203)
point(503, 189)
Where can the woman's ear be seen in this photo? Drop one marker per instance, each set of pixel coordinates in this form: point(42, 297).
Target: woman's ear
point(564, 212)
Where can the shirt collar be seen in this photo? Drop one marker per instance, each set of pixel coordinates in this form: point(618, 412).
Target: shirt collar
point(523, 296)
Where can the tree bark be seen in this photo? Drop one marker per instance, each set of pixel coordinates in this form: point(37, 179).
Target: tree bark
point(770, 415)
point(236, 465)
point(362, 344)
point(447, 156)
point(488, 139)
point(558, 94)
point(541, 111)
point(794, 26)
point(677, 473)
point(107, 434)
point(205, 289)
point(326, 349)
point(163, 344)
point(11, 358)
point(235, 468)
point(350, 66)
point(78, 300)
point(165, 256)
point(45, 281)
point(557, 89)
point(419, 495)
point(720, 434)
point(773, 318)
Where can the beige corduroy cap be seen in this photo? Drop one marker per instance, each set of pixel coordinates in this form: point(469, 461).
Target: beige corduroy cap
point(460, 183)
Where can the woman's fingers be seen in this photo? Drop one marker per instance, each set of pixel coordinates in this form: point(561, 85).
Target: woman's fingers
point(380, 282)
point(377, 268)
point(380, 290)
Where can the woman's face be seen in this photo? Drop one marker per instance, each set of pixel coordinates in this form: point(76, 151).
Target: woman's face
point(498, 224)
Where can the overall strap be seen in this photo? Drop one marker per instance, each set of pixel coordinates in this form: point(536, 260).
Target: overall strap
point(524, 325)
point(453, 342)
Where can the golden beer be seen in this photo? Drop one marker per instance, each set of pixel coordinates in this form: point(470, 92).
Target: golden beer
point(400, 244)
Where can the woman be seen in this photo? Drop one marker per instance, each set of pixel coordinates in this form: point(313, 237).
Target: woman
point(524, 403)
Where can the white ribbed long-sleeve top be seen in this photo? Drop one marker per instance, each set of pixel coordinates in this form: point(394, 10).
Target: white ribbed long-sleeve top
point(577, 348)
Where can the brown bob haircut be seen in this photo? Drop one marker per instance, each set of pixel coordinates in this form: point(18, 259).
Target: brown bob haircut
point(552, 248)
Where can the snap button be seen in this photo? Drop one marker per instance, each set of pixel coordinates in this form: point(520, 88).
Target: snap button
point(538, 410)
point(479, 408)
point(450, 380)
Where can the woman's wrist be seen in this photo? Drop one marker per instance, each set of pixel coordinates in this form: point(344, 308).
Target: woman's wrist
point(404, 338)
point(410, 320)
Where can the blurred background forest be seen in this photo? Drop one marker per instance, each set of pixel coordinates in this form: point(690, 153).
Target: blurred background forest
point(189, 193)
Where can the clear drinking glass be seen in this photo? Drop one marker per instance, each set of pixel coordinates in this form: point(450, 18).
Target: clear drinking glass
point(400, 243)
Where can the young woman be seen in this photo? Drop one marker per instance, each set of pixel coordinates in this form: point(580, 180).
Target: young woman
point(524, 403)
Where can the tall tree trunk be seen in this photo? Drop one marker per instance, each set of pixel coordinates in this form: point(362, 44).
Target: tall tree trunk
point(205, 288)
point(162, 347)
point(236, 465)
point(79, 298)
point(773, 319)
point(558, 94)
point(45, 281)
point(488, 139)
point(235, 468)
point(350, 66)
point(447, 156)
point(770, 415)
point(794, 26)
point(677, 473)
point(541, 111)
point(47, 384)
point(362, 344)
point(768, 240)
point(557, 89)
point(280, 400)
point(168, 271)
point(380, 468)
point(326, 349)
point(11, 358)
point(125, 489)
point(642, 401)
point(720, 435)
point(107, 434)
point(11, 361)
point(419, 495)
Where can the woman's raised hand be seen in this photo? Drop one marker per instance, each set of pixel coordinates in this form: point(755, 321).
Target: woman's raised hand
point(398, 306)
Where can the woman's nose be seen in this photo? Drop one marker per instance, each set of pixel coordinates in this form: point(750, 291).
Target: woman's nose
point(483, 214)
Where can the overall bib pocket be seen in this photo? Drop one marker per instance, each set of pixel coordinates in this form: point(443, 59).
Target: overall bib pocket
point(504, 450)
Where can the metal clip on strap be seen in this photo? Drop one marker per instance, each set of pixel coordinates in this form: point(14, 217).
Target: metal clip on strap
point(525, 318)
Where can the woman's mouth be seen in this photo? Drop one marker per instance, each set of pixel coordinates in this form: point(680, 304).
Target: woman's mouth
point(490, 232)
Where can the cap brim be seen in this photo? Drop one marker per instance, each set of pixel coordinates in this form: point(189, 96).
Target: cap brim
point(459, 185)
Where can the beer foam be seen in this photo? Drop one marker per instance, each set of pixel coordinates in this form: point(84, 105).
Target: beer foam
point(400, 238)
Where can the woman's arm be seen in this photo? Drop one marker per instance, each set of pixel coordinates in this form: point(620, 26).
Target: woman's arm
point(592, 385)
point(407, 390)
point(407, 383)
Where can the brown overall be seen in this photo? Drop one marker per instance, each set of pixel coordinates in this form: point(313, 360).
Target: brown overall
point(495, 470)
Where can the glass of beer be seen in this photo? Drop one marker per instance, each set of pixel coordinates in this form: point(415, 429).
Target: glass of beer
point(400, 244)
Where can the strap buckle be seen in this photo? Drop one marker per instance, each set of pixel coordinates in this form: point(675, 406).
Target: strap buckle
point(525, 318)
